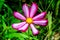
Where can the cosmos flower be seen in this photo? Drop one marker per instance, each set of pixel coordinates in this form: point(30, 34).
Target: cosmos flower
point(29, 19)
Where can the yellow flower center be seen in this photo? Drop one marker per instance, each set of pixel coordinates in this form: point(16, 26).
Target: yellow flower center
point(29, 20)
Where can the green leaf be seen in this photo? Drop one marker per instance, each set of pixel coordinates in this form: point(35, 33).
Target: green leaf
point(57, 7)
point(11, 30)
point(1, 3)
point(50, 20)
point(3, 22)
point(18, 35)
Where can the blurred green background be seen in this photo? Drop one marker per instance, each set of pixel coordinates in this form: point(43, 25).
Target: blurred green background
point(50, 32)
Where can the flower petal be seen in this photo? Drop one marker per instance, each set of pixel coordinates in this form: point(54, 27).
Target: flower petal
point(41, 22)
point(34, 30)
point(23, 28)
point(33, 9)
point(19, 16)
point(26, 10)
point(18, 25)
point(40, 16)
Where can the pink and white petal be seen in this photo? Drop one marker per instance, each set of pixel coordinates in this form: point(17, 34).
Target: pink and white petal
point(34, 30)
point(41, 22)
point(19, 16)
point(33, 9)
point(40, 16)
point(18, 25)
point(25, 10)
point(24, 28)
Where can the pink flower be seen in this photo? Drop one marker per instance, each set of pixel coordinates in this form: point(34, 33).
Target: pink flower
point(29, 19)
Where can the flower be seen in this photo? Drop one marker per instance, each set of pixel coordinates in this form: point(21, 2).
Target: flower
point(29, 19)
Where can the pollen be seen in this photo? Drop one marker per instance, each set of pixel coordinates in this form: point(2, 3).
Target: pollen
point(29, 20)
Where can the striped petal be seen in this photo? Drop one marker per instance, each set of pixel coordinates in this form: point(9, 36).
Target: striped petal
point(18, 25)
point(41, 22)
point(34, 30)
point(19, 16)
point(40, 16)
point(33, 9)
point(23, 28)
point(25, 10)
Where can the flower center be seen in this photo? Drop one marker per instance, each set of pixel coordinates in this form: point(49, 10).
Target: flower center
point(29, 20)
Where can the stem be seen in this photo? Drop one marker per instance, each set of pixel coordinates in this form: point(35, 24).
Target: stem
point(41, 4)
point(40, 9)
point(49, 5)
point(28, 34)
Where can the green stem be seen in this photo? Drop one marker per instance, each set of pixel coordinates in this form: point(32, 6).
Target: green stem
point(49, 5)
point(39, 9)
point(28, 34)
point(41, 4)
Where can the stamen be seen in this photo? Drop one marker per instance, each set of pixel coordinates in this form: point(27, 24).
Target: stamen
point(29, 20)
